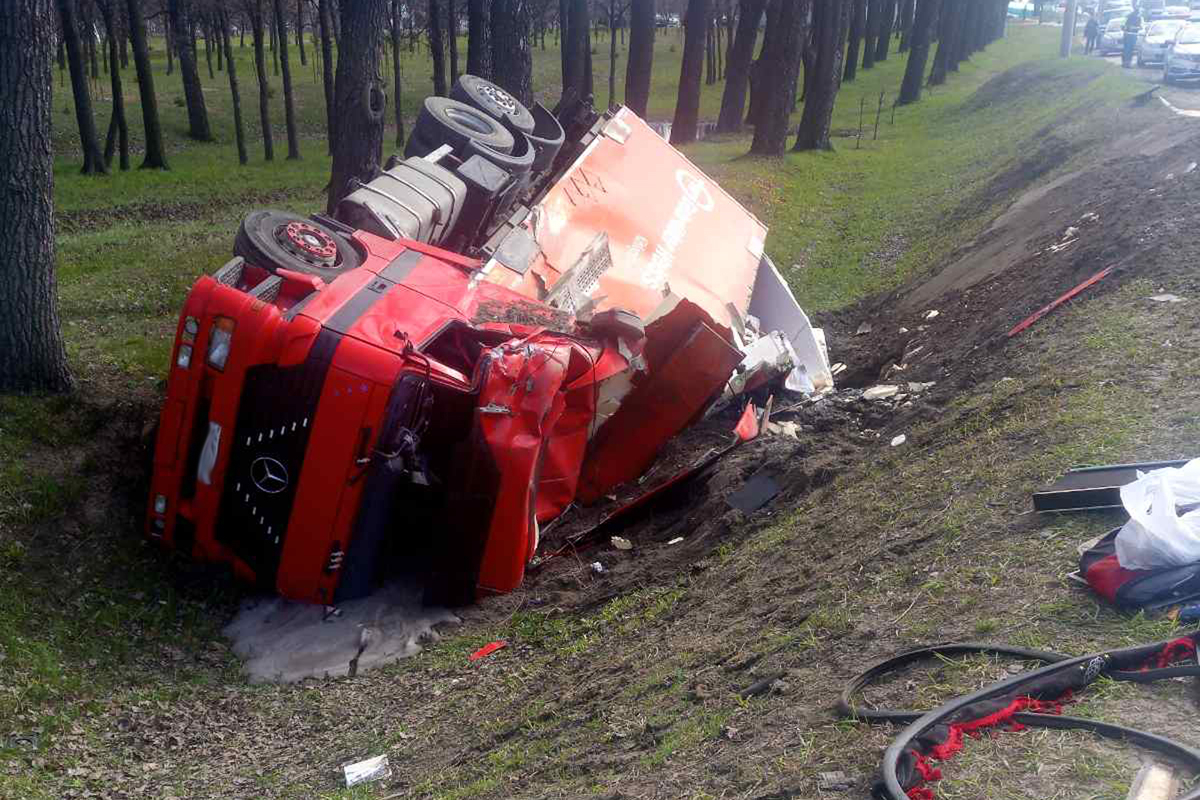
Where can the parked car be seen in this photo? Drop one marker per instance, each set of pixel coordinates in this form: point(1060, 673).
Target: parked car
point(1113, 37)
point(1115, 13)
point(1182, 61)
point(1152, 45)
point(1177, 12)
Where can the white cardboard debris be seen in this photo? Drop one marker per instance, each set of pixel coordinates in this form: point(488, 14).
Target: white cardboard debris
point(597, 568)
point(621, 543)
point(775, 306)
point(863, 329)
point(373, 769)
point(881, 392)
point(899, 440)
point(931, 313)
point(676, 540)
point(1168, 298)
point(916, 387)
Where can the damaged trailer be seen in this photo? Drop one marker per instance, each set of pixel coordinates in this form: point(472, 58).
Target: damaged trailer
point(515, 316)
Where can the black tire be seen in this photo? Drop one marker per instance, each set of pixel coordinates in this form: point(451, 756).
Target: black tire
point(263, 237)
point(493, 101)
point(447, 121)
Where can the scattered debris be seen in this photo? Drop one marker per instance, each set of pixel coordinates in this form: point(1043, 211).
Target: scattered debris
point(760, 686)
point(838, 368)
point(916, 387)
point(881, 392)
point(1041, 312)
point(834, 781)
point(1187, 170)
point(755, 493)
point(791, 429)
point(489, 648)
point(1093, 487)
point(863, 329)
point(1154, 782)
point(1091, 216)
point(931, 314)
point(899, 440)
point(903, 330)
point(676, 540)
point(621, 543)
point(1070, 233)
point(372, 769)
point(1168, 298)
point(597, 568)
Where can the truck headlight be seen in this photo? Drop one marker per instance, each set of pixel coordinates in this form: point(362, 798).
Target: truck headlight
point(220, 339)
point(190, 328)
point(184, 359)
point(160, 504)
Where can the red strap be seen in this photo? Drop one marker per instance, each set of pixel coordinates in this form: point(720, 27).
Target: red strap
point(488, 649)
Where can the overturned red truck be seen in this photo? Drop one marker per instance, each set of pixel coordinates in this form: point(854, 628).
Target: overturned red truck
point(514, 317)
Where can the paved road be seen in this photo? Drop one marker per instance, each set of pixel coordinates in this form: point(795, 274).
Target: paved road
point(1185, 97)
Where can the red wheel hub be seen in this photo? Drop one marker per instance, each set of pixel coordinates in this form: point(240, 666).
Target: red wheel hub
point(308, 242)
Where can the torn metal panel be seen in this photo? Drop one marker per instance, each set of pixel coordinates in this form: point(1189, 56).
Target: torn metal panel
point(777, 310)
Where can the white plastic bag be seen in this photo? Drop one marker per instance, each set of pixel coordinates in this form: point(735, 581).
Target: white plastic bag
point(1157, 535)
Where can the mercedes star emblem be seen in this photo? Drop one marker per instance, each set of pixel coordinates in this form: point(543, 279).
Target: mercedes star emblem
point(269, 475)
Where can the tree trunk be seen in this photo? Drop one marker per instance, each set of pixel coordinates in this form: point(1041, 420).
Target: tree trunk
point(782, 71)
point(918, 55)
point(32, 356)
point(360, 100)
point(858, 23)
point(577, 55)
point(289, 100)
point(156, 156)
point(124, 47)
point(710, 49)
point(871, 32)
point(208, 48)
point(612, 53)
point(300, 32)
point(737, 76)
point(197, 112)
point(168, 38)
point(452, 37)
point(906, 23)
point(947, 22)
point(264, 88)
point(831, 18)
point(759, 80)
point(887, 21)
point(640, 65)
point(512, 57)
point(956, 53)
point(437, 48)
point(325, 22)
point(118, 129)
point(687, 107)
point(239, 129)
point(397, 9)
point(479, 46)
point(93, 159)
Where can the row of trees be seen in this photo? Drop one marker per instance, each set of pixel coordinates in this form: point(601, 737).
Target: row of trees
point(821, 39)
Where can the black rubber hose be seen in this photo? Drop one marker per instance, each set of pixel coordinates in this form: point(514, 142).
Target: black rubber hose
point(918, 723)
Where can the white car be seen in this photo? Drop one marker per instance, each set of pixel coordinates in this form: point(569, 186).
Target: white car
point(1182, 61)
point(1112, 38)
point(1152, 45)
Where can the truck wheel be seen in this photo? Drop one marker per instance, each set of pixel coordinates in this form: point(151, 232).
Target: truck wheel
point(493, 101)
point(450, 122)
point(277, 240)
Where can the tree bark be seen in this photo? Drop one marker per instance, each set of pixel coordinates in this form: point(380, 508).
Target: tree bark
point(397, 9)
point(198, 127)
point(612, 53)
point(156, 156)
point(577, 54)
point(289, 100)
point(208, 48)
point(325, 22)
point(452, 37)
point(783, 71)
point(831, 18)
point(918, 55)
point(300, 32)
point(170, 48)
point(737, 75)
point(32, 356)
point(360, 100)
point(907, 8)
point(948, 23)
point(239, 129)
point(118, 128)
point(871, 33)
point(887, 22)
point(512, 57)
point(759, 80)
point(264, 88)
point(640, 65)
point(687, 107)
point(93, 159)
point(858, 23)
point(479, 46)
point(437, 47)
